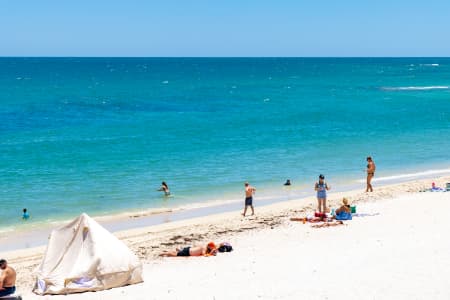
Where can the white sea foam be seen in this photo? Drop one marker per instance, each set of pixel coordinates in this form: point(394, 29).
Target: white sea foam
point(409, 175)
point(430, 65)
point(7, 229)
point(417, 88)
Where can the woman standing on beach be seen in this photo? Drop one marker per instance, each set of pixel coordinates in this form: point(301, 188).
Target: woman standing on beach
point(321, 188)
point(370, 173)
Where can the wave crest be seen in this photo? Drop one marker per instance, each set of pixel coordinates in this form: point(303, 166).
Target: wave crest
point(416, 88)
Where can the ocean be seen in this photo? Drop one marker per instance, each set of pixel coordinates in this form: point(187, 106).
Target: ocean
point(98, 135)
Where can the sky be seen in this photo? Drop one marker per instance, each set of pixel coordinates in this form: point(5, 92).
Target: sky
point(224, 28)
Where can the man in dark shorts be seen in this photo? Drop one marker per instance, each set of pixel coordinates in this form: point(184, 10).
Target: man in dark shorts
point(249, 191)
point(208, 250)
point(7, 279)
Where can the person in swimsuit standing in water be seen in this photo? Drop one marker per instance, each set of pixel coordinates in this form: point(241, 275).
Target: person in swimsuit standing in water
point(370, 173)
point(164, 188)
point(321, 188)
point(249, 191)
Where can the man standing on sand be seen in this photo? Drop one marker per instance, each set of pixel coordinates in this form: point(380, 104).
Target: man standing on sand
point(370, 173)
point(249, 191)
point(7, 279)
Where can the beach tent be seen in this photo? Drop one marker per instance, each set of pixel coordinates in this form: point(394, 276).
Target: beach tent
point(84, 256)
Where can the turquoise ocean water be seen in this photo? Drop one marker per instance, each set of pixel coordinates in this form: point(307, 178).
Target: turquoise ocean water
point(100, 134)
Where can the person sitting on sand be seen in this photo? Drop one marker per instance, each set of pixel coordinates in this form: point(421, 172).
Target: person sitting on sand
point(209, 250)
point(435, 188)
point(7, 279)
point(25, 215)
point(345, 207)
point(344, 212)
point(164, 188)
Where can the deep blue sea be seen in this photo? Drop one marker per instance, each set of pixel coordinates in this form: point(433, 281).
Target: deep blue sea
point(98, 135)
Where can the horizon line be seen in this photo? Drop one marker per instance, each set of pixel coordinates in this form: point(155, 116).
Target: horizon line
point(95, 56)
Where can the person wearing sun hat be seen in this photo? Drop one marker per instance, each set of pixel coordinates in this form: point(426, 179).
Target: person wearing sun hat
point(344, 212)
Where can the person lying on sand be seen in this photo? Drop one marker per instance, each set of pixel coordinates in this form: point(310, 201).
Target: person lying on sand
point(328, 224)
point(318, 217)
point(310, 219)
point(208, 250)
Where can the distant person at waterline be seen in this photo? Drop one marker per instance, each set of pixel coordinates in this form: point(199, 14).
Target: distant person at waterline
point(164, 188)
point(25, 215)
point(321, 187)
point(370, 173)
point(288, 182)
point(249, 191)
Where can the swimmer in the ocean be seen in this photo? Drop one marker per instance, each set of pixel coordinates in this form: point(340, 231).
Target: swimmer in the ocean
point(25, 215)
point(164, 188)
point(288, 182)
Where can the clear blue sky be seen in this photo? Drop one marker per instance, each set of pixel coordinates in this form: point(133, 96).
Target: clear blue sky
point(225, 28)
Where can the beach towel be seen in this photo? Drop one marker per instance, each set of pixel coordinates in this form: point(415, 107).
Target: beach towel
point(343, 216)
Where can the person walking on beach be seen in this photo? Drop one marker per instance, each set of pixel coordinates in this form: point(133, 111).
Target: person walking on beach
point(321, 188)
point(370, 173)
point(7, 279)
point(249, 191)
point(164, 188)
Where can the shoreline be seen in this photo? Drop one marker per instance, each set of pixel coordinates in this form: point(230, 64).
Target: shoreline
point(266, 195)
point(148, 241)
point(34, 235)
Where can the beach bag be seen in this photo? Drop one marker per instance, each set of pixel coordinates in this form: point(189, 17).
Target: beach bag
point(320, 215)
point(343, 216)
point(225, 247)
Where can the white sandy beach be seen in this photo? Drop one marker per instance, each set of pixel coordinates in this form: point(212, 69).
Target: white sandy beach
point(400, 251)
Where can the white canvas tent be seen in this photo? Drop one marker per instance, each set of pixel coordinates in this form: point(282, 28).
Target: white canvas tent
point(84, 256)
